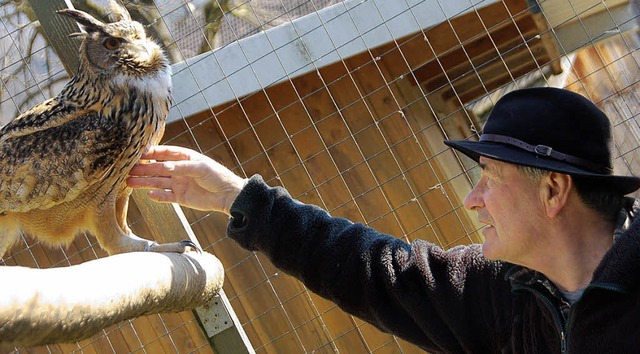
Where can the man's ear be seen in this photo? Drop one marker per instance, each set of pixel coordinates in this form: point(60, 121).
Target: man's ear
point(555, 191)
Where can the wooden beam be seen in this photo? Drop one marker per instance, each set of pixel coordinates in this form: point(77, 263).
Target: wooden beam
point(464, 59)
point(70, 304)
point(491, 57)
point(166, 221)
point(57, 29)
point(217, 318)
point(325, 37)
point(487, 78)
point(590, 21)
point(563, 12)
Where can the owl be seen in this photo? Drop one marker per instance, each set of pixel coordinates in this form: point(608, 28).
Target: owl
point(64, 162)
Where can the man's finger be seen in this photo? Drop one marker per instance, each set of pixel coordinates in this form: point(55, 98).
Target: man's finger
point(162, 196)
point(168, 153)
point(169, 168)
point(150, 182)
point(150, 169)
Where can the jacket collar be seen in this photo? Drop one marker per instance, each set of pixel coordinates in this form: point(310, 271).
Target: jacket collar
point(520, 277)
point(621, 264)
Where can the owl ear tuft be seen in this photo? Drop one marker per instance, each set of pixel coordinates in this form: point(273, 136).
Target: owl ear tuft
point(87, 21)
point(118, 12)
point(77, 35)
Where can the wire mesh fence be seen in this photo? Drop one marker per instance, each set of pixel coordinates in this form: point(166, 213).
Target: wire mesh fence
point(346, 104)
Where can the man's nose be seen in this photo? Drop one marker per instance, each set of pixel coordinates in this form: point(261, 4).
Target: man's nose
point(474, 200)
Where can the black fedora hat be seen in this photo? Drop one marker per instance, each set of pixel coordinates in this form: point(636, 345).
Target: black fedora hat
point(552, 129)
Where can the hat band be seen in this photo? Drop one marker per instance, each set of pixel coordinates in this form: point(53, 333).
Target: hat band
point(546, 151)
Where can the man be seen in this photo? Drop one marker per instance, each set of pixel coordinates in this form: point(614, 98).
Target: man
point(559, 269)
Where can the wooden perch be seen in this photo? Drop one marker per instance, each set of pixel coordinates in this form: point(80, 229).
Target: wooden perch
point(58, 305)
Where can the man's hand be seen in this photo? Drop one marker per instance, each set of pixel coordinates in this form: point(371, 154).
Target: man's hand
point(183, 176)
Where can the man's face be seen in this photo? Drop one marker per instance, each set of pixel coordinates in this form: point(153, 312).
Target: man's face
point(508, 203)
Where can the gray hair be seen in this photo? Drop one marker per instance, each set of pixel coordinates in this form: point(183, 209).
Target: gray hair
point(606, 201)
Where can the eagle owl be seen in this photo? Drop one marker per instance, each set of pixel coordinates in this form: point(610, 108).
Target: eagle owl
point(64, 162)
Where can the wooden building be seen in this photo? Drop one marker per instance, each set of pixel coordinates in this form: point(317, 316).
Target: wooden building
point(348, 109)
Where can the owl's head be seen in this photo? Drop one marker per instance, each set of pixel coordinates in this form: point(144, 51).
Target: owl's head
point(121, 47)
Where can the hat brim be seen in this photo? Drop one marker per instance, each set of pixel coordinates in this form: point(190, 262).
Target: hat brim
point(514, 155)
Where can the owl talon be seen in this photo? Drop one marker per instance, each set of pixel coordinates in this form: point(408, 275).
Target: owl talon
point(177, 247)
point(150, 245)
point(189, 243)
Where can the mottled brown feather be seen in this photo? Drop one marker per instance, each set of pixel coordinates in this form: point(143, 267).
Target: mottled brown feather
point(63, 163)
point(33, 179)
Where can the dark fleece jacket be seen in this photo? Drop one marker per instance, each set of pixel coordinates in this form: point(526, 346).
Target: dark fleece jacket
point(452, 301)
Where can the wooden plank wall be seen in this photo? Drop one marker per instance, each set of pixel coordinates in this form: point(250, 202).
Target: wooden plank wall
point(363, 141)
point(357, 138)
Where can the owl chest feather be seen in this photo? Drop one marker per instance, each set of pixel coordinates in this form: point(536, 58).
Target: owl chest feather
point(140, 113)
point(147, 98)
point(82, 154)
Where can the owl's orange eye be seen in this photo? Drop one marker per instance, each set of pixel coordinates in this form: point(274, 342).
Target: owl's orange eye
point(112, 43)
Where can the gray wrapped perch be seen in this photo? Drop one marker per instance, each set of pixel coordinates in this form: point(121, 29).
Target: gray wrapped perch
point(67, 304)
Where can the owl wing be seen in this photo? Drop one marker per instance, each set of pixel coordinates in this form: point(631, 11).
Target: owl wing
point(50, 113)
point(45, 164)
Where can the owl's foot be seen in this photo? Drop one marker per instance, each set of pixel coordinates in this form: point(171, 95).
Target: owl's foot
point(133, 243)
point(177, 247)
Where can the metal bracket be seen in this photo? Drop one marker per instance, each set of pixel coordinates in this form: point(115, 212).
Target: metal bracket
point(214, 316)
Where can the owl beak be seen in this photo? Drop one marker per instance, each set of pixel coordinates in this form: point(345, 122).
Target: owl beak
point(146, 52)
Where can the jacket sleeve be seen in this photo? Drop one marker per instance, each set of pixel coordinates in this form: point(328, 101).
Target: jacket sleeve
point(439, 300)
